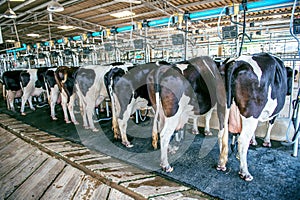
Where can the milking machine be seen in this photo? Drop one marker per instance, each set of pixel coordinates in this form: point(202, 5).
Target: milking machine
point(295, 121)
point(295, 105)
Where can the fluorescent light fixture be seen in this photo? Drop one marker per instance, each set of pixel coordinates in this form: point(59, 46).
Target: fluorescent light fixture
point(10, 41)
point(125, 13)
point(66, 27)
point(9, 13)
point(33, 35)
point(54, 6)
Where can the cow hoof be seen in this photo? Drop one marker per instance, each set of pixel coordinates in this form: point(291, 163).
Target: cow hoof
point(195, 132)
point(23, 114)
point(54, 118)
point(154, 145)
point(127, 144)
point(237, 156)
point(167, 169)
point(220, 168)
point(117, 136)
point(75, 122)
point(246, 177)
point(267, 144)
point(95, 129)
point(208, 133)
point(86, 127)
point(173, 149)
point(67, 121)
point(253, 142)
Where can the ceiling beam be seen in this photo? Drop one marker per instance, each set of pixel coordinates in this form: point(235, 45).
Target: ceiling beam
point(154, 5)
point(92, 8)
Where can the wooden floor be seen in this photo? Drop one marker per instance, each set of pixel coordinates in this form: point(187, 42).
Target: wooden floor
point(37, 165)
point(28, 173)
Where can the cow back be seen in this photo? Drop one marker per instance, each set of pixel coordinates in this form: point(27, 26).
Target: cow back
point(11, 80)
point(254, 81)
point(65, 79)
point(197, 78)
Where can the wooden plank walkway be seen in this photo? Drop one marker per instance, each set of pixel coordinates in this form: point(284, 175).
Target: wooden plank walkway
point(48, 167)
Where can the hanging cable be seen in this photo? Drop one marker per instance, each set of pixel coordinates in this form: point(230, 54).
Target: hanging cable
point(291, 26)
point(16, 30)
point(219, 21)
point(169, 27)
point(244, 3)
point(131, 31)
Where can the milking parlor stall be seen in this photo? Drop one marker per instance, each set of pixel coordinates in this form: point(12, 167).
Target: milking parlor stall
point(149, 99)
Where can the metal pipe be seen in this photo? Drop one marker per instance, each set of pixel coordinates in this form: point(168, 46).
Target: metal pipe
point(158, 22)
point(145, 44)
point(124, 28)
point(186, 38)
point(252, 6)
point(18, 49)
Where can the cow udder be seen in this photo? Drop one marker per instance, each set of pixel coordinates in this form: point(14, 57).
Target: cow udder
point(235, 121)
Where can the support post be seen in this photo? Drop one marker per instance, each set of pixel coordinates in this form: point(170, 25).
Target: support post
point(186, 15)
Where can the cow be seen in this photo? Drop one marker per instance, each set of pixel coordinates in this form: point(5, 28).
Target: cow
point(24, 84)
point(91, 90)
point(65, 80)
point(182, 91)
point(127, 89)
point(32, 84)
point(52, 90)
point(12, 87)
point(256, 87)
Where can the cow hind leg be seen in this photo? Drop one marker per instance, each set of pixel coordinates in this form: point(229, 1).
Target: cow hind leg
point(253, 141)
point(64, 107)
point(10, 101)
point(155, 130)
point(71, 109)
point(165, 137)
point(195, 126)
point(267, 139)
point(123, 128)
point(89, 114)
point(30, 103)
point(52, 102)
point(207, 122)
point(249, 125)
point(223, 143)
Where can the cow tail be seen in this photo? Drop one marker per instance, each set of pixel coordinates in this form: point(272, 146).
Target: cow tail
point(157, 90)
point(3, 91)
point(47, 89)
point(57, 79)
point(228, 81)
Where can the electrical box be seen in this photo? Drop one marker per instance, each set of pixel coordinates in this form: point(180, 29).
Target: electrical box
point(229, 32)
point(138, 44)
point(177, 39)
point(296, 26)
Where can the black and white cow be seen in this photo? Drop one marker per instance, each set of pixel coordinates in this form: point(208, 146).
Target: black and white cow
point(65, 80)
point(183, 91)
point(91, 90)
point(25, 84)
point(52, 90)
point(256, 88)
point(12, 87)
point(32, 84)
point(128, 92)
